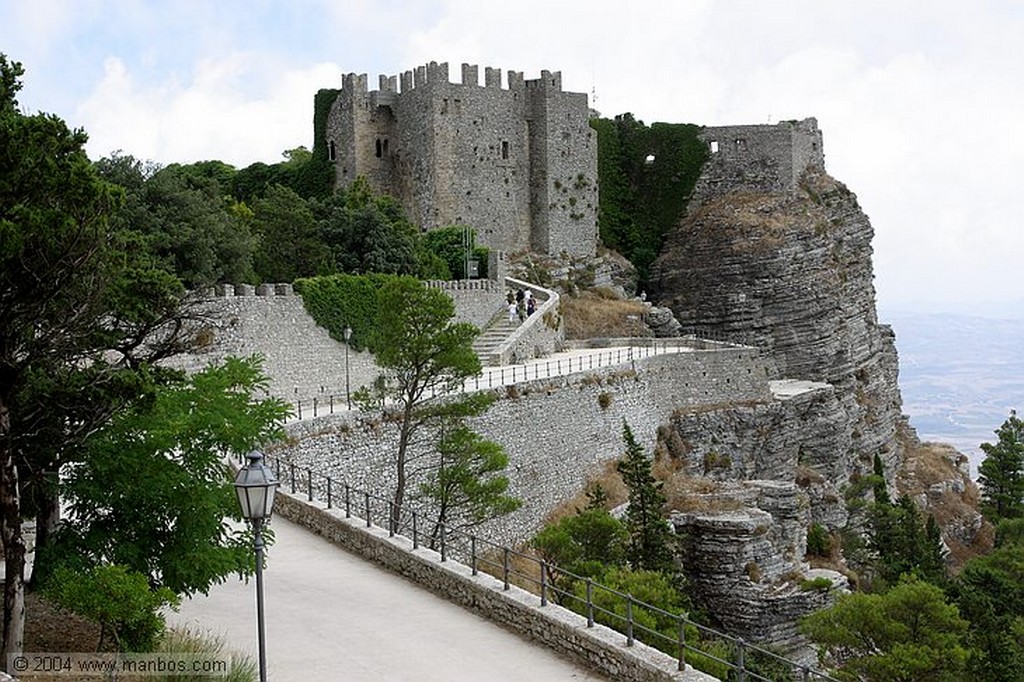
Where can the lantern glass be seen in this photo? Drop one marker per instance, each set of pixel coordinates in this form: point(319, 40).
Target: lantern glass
point(255, 486)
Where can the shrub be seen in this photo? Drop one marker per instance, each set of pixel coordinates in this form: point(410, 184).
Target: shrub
point(819, 542)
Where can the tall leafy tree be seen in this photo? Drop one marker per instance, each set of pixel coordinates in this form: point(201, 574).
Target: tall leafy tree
point(989, 592)
point(905, 543)
point(368, 232)
point(424, 353)
point(153, 491)
point(82, 314)
point(1001, 473)
point(289, 245)
point(650, 537)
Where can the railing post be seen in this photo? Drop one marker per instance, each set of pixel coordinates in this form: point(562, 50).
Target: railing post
point(682, 642)
point(309, 483)
point(806, 674)
point(444, 555)
point(415, 532)
point(590, 603)
point(629, 620)
point(504, 566)
point(741, 671)
point(291, 469)
point(332, 403)
point(366, 497)
point(299, 404)
point(543, 583)
point(314, 408)
point(329, 502)
point(392, 517)
point(348, 502)
point(472, 553)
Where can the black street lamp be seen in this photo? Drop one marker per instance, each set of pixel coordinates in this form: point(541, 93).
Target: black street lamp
point(255, 486)
point(347, 333)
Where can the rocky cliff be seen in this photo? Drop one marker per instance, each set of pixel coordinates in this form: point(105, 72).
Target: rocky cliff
point(775, 253)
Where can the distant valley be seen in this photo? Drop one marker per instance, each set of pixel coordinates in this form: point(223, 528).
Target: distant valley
point(959, 375)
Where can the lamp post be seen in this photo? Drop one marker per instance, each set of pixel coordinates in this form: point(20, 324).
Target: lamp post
point(255, 486)
point(347, 333)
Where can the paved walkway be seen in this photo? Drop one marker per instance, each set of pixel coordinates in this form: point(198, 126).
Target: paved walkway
point(334, 616)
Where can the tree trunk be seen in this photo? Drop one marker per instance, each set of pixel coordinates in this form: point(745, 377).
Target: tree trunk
point(400, 474)
point(14, 545)
point(47, 518)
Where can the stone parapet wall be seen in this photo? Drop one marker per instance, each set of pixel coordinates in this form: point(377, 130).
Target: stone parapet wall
point(477, 301)
point(597, 648)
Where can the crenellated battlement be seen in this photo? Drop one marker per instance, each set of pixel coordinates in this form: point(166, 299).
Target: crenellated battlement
point(435, 73)
point(513, 158)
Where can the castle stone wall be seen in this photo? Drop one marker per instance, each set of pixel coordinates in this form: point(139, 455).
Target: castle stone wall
point(518, 164)
point(555, 431)
point(769, 158)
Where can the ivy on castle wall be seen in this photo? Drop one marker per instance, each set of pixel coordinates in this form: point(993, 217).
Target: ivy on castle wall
point(643, 198)
point(339, 301)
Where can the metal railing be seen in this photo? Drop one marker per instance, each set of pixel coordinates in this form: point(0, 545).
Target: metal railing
point(496, 377)
point(677, 635)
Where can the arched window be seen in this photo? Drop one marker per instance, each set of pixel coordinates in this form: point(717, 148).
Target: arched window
point(332, 152)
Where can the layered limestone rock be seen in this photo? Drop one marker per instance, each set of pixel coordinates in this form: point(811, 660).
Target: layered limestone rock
point(778, 257)
point(744, 545)
point(790, 273)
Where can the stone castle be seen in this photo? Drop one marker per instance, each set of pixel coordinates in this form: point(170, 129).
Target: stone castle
point(517, 163)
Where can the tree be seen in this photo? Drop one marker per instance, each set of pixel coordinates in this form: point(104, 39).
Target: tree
point(584, 544)
point(125, 605)
point(989, 592)
point(650, 537)
point(289, 245)
point(367, 232)
point(466, 483)
point(904, 543)
point(908, 634)
point(1001, 473)
point(70, 293)
point(153, 490)
point(424, 354)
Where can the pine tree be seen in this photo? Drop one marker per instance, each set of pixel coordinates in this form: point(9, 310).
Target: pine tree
point(1001, 474)
point(650, 537)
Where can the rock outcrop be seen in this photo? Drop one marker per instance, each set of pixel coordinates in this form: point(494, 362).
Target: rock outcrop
point(778, 257)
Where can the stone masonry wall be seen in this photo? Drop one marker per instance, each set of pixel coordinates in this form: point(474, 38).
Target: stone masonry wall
point(768, 158)
point(518, 164)
point(555, 431)
point(597, 648)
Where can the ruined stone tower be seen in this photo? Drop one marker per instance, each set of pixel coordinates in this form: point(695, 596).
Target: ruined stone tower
point(518, 164)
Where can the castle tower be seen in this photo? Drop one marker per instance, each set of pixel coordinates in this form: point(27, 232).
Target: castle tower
point(518, 164)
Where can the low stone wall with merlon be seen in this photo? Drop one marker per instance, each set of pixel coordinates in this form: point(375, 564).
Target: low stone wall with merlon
point(597, 648)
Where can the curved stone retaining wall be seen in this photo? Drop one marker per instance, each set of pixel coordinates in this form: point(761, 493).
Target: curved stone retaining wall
point(598, 648)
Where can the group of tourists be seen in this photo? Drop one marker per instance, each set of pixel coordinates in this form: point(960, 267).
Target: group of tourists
point(521, 304)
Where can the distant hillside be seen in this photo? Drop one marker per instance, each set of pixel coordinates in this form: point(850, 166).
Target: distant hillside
point(959, 375)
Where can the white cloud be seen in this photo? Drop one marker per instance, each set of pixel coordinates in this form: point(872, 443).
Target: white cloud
point(918, 102)
point(210, 115)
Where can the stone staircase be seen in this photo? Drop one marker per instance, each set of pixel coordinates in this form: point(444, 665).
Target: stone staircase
point(492, 336)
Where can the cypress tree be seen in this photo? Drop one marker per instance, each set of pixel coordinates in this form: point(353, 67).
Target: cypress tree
point(650, 537)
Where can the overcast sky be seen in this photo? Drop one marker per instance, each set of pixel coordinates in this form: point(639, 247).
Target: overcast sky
point(920, 102)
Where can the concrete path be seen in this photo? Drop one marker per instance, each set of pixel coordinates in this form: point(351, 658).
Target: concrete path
point(334, 616)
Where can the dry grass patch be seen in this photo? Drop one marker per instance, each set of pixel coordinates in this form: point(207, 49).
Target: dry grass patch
point(933, 464)
point(608, 479)
point(600, 313)
point(685, 493)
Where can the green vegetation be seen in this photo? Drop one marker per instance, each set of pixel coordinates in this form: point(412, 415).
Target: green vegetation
point(907, 634)
point(1001, 474)
point(649, 544)
point(120, 600)
point(423, 352)
point(642, 199)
